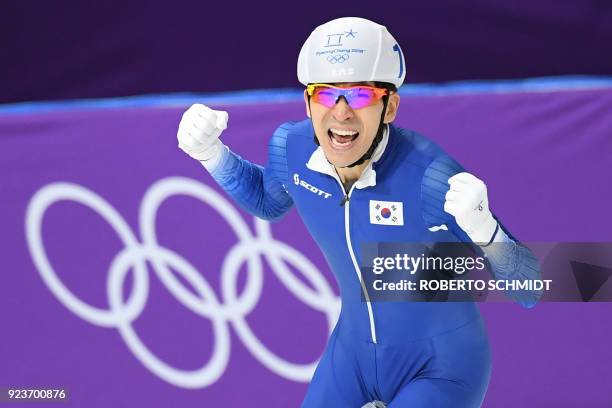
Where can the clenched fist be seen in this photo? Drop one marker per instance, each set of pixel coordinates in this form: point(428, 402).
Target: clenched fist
point(467, 201)
point(199, 131)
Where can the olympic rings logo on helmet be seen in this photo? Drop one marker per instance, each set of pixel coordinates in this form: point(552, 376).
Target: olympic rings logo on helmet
point(337, 59)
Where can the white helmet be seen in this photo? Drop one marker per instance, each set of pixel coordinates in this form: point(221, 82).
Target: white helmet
point(351, 49)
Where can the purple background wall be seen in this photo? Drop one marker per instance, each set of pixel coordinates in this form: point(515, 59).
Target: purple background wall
point(544, 155)
point(70, 49)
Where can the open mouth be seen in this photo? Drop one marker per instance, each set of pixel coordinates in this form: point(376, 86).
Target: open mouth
point(342, 139)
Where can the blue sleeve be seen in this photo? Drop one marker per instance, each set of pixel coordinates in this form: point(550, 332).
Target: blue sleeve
point(259, 190)
point(511, 260)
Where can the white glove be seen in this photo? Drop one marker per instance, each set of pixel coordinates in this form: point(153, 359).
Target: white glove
point(467, 201)
point(198, 134)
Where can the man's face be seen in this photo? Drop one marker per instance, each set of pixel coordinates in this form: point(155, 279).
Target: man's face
point(345, 134)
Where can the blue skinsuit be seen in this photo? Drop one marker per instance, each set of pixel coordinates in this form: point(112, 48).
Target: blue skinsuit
point(406, 354)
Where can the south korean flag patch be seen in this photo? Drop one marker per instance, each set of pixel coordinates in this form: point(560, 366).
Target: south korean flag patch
point(386, 212)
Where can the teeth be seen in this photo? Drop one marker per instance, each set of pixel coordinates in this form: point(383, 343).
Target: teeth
point(344, 132)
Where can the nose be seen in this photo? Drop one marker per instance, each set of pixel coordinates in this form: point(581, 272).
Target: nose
point(341, 110)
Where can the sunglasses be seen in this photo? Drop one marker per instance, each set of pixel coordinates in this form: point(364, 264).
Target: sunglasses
point(358, 96)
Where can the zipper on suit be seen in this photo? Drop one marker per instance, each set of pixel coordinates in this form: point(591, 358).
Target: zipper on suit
point(346, 203)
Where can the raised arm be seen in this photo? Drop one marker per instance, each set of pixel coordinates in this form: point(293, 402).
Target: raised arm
point(459, 200)
point(258, 190)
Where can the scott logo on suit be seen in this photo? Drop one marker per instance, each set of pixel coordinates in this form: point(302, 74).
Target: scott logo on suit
point(317, 191)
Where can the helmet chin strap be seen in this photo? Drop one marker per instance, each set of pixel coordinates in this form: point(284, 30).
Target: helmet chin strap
point(379, 135)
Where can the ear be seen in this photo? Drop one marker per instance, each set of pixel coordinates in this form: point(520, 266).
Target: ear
point(392, 107)
point(307, 104)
